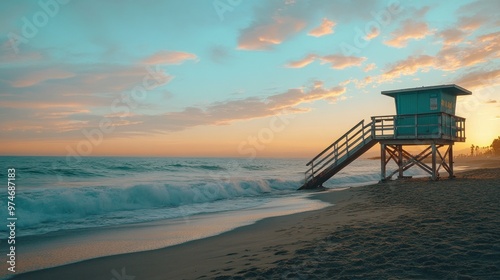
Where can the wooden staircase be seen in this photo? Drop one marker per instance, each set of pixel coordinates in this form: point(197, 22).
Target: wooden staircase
point(339, 154)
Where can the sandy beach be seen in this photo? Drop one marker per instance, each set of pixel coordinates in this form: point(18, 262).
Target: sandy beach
point(406, 229)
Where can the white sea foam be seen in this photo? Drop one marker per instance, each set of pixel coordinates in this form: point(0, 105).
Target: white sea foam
point(53, 195)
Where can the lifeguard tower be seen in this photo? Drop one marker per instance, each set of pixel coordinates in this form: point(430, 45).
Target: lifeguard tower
point(425, 116)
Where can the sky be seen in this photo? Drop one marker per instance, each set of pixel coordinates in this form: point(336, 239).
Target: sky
point(232, 78)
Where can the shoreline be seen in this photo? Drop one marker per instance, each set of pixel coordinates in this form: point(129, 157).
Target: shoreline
point(64, 248)
point(253, 249)
point(253, 229)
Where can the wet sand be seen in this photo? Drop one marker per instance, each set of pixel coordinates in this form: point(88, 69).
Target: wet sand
point(406, 229)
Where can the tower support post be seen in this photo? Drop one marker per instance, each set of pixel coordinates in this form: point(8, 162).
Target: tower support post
point(450, 161)
point(395, 150)
point(434, 171)
point(400, 161)
point(382, 162)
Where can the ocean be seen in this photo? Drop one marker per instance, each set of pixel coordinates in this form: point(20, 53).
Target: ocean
point(177, 199)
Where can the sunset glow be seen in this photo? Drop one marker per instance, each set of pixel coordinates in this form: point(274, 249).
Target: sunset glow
point(232, 78)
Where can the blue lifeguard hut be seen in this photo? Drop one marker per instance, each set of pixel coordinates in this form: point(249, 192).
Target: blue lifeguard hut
point(425, 116)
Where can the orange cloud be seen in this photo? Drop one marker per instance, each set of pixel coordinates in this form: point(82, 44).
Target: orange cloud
point(169, 57)
point(302, 62)
point(295, 97)
point(61, 114)
point(50, 121)
point(336, 61)
point(325, 28)
point(481, 78)
point(471, 23)
point(374, 32)
point(38, 105)
point(449, 58)
point(370, 67)
point(262, 36)
point(363, 82)
point(408, 66)
point(489, 37)
point(410, 30)
point(452, 36)
point(455, 57)
point(36, 77)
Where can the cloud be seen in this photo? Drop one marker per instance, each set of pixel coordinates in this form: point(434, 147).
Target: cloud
point(452, 36)
point(471, 17)
point(482, 49)
point(325, 28)
point(408, 66)
point(308, 59)
point(372, 34)
point(470, 23)
point(169, 57)
point(262, 36)
point(336, 61)
point(52, 122)
point(36, 77)
point(370, 67)
point(491, 37)
point(274, 22)
point(86, 85)
point(363, 82)
point(410, 30)
point(478, 13)
point(480, 78)
point(450, 58)
point(8, 56)
point(248, 108)
point(413, 27)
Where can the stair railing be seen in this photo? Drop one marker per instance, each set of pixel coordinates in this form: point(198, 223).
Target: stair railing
point(339, 150)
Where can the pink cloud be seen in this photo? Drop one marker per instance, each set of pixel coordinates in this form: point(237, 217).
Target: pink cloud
point(363, 82)
point(91, 87)
point(449, 58)
point(37, 77)
point(456, 57)
point(491, 37)
point(169, 57)
point(302, 62)
point(410, 30)
point(262, 36)
point(40, 105)
point(470, 23)
point(372, 34)
point(370, 67)
point(295, 97)
point(452, 36)
point(336, 61)
point(408, 66)
point(481, 78)
point(477, 14)
point(325, 28)
point(227, 112)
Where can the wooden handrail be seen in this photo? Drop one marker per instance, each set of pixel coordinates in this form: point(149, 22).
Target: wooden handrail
point(336, 142)
point(383, 127)
point(341, 148)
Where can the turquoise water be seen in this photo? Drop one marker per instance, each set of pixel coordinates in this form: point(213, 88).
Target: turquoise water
point(55, 194)
point(69, 211)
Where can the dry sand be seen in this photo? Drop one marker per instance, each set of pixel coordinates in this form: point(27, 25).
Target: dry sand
point(408, 229)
